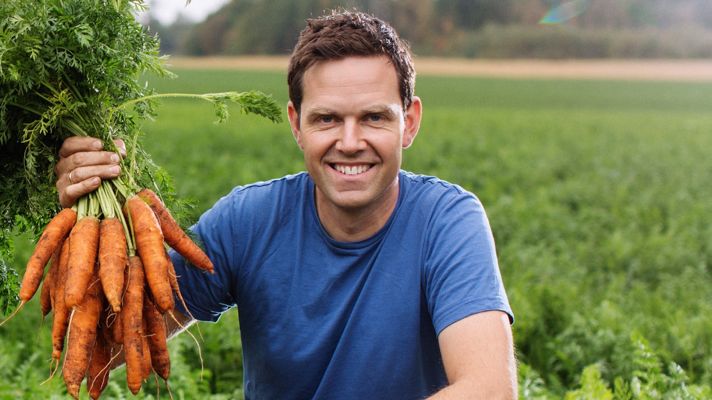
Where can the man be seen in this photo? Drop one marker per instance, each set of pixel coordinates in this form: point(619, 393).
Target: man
point(354, 280)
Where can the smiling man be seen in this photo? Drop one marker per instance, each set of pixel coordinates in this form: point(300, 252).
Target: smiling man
point(352, 127)
point(355, 279)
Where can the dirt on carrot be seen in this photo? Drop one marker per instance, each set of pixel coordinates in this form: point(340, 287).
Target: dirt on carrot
point(112, 260)
point(82, 335)
point(149, 243)
point(84, 245)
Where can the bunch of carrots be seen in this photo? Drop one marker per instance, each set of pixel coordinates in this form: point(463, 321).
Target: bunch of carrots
point(110, 285)
point(72, 68)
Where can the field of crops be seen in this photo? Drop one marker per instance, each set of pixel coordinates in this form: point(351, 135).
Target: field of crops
point(598, 194)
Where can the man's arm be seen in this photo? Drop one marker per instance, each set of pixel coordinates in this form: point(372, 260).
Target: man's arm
point(478, 355)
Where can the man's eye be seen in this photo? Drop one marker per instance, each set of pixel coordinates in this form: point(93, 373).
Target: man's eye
point(375, 117)
point(326, 119)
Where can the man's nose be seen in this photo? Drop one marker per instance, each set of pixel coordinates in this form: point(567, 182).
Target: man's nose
point(351, 139)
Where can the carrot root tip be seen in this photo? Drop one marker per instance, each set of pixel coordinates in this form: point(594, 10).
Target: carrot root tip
point(19, 307)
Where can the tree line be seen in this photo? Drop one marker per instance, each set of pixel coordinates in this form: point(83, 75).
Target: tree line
point(467, 28)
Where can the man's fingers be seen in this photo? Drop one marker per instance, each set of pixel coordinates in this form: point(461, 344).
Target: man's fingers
point(85, 159)
point(72, 192)
point(83, 180)
point(82, 165)
point(76, 144)
point(80, 174)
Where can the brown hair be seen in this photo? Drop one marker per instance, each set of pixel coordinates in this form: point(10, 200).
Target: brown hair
point(349, 33)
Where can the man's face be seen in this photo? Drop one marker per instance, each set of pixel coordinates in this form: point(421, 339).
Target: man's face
point(352, 129)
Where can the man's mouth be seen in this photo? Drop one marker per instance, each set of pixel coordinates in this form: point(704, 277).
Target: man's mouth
point(351, 169)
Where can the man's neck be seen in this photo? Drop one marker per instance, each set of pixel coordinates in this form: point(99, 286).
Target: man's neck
point(354, 225)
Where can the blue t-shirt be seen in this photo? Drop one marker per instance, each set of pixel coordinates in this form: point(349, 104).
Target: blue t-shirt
point(325, 319)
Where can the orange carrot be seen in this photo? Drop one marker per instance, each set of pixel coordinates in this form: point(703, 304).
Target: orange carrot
point(99, 367)
point(132, 317)
point(173, 279)
point(149, 243)
point(50, 240)
point(112, 260)
point(82, 259)
point(146, 361)
point(117, 331)
point(82, 335)
point(108, 321)
point(61, 312)
point(157, 339)
point(48, 283)
point(174, 235)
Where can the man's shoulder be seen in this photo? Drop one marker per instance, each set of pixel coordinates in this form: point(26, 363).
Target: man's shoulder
point(263, 197)
point(430, 188)
point(270, 190)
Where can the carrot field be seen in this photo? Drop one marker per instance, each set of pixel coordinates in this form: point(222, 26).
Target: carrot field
point(598, 192)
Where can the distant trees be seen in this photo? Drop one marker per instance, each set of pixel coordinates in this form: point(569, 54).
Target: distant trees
point(471, 28)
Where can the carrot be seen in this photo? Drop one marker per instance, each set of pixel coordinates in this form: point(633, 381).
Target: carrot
point(174, 235)
point(61, 312)
point(82, 335)
point(99, 367)
point(117, 331)
point(109, 320)
point(157, 339)
point(112, 260)
point(173, 279)
point(82, 259)
point(50, 240)
point(146, 361)
point(149, 243)
point(132, 317)
point(48, 283)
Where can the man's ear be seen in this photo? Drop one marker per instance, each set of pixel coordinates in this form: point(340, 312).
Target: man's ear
point(293, 116)
point(413, 115)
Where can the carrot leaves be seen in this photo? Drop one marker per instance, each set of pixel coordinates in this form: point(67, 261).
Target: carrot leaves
point(74, 67)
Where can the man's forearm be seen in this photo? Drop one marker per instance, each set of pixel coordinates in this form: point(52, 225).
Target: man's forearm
point(474, 391)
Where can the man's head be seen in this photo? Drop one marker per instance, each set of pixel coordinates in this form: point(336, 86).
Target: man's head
point(352, 112)
point(343, 34)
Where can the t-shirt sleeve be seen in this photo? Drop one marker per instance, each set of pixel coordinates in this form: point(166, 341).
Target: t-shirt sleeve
point(462, 275)
point(207, 295)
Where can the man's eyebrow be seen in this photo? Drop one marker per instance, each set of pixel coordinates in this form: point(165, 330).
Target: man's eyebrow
point(381, 109)
point(315, 112)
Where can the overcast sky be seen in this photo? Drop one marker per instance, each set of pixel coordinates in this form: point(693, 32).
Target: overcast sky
point(166, 11)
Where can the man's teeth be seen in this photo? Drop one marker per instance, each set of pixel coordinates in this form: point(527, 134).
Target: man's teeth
point(352, 170)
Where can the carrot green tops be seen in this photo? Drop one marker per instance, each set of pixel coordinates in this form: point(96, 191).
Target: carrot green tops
point(326, 319)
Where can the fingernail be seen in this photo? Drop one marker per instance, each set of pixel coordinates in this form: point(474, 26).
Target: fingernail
point(97, 145)
point(115, 170)
point(94, 181)
point(115, 158)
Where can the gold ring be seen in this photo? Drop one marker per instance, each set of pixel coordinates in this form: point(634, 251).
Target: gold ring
point(70, 177)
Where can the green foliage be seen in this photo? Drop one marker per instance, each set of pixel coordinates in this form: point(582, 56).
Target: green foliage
point(592, 387)
point(649, 381)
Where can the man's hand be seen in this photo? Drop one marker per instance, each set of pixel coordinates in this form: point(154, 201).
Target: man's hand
point(82, 165)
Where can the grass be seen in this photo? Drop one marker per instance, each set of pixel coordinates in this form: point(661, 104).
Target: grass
point(597, 193)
